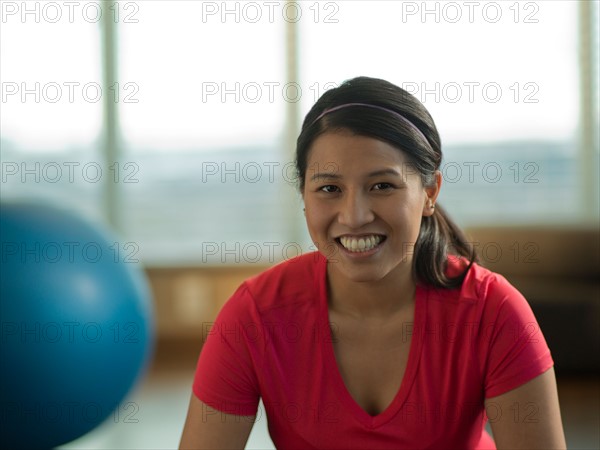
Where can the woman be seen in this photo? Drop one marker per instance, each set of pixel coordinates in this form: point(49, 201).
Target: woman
point(391, 335)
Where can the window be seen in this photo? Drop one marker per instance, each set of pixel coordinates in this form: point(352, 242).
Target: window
point(51, 110)
point(206, 133)
point(208, 95)
point(500, 80)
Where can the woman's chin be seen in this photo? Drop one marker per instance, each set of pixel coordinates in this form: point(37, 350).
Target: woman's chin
point(358, 274)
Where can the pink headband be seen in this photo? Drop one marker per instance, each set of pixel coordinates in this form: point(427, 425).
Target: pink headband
point(399, 116)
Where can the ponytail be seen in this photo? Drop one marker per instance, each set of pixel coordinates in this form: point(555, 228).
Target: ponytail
point(439, 237)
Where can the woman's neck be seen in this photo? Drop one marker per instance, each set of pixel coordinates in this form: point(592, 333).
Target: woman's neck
point(380, 299)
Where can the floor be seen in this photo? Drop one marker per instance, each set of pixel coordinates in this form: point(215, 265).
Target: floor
point(153, 416)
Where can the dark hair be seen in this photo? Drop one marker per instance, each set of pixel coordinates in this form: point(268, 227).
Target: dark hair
point(439, 235)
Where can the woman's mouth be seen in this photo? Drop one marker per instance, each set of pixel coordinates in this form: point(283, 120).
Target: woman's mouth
point(360, 244)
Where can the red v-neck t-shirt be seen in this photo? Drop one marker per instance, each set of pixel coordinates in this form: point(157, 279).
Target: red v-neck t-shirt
point(272, 341)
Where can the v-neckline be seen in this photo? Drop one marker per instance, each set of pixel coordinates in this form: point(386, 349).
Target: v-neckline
point(414, 356)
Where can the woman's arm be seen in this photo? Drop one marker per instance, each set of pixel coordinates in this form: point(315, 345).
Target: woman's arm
point(528, 417)
point(208, 428)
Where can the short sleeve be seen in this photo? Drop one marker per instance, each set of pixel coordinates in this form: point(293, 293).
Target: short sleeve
point(514, 349)
point(225, 377)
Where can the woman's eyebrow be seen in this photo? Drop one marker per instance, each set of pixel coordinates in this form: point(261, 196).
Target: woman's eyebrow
point(381, 172)
point(335, 176)
point(325, 176)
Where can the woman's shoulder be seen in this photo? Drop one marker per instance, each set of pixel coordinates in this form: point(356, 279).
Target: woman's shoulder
point(293, 280)
point(480, 284)
point(484, 297)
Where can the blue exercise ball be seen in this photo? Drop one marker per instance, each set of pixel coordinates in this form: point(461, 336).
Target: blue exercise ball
point(76, 325)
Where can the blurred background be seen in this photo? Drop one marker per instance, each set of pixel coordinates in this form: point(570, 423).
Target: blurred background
point(174, 124)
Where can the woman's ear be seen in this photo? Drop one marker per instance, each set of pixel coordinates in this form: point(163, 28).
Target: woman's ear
point(431, 194)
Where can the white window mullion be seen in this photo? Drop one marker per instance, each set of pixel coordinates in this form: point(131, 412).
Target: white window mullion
point(109, 147)
point(589, 147)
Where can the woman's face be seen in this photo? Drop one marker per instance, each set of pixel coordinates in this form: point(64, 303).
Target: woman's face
point(363, 205)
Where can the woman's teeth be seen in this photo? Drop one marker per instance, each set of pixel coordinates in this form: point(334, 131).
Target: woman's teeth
point(362, 244)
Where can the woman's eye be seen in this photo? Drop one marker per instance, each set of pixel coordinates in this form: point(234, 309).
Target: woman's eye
point(329, 188)
point(383, 186)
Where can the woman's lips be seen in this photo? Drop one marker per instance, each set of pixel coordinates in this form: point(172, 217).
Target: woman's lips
point(359, 244)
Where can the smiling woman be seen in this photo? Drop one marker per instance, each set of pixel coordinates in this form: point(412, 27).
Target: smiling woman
point(417, 165)
point(368, 210)
point(390, 335)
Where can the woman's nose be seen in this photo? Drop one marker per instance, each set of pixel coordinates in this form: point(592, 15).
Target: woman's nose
point(355, 210)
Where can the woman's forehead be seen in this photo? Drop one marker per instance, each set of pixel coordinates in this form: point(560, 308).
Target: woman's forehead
point(345, 149)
